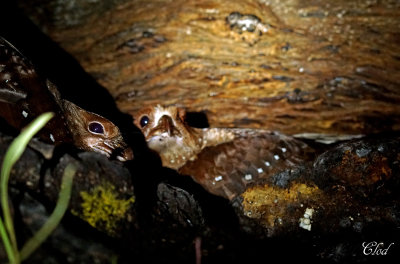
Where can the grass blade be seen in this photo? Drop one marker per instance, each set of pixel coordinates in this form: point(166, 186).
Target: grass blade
point(13, 153)
point(55, 218)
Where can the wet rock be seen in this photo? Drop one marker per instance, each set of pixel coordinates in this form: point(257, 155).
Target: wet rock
point(103, 195)
point(180, 205)
point(349, 187)
point(361, 168)
point(54, 250)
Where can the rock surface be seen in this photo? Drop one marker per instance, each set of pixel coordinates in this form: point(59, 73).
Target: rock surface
point(292, 66)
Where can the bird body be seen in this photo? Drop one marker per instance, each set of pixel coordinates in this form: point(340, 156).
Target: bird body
point(24, 95)
point(223, 160)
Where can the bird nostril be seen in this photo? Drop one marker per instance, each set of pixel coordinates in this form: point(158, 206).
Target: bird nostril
point(166, 123)
point(165, 119)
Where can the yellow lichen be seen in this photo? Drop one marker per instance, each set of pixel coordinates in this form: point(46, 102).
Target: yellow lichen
point(102, 209)
point(271, 203)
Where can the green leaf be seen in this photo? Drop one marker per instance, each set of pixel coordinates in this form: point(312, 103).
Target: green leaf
point(55, 218)
point(14, 152)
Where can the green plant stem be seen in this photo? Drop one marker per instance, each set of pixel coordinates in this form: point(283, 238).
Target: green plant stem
point(55, 218)
point(14, 152)
point(7, 244)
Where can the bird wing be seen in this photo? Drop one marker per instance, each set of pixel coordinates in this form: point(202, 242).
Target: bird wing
point(24, 95)
point(11, 60)
point(226, 169)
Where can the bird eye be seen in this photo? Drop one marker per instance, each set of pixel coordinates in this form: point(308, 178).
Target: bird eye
point(96, 128)
point(144, 121)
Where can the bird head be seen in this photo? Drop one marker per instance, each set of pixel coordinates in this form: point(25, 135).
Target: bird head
point(93, 132)
point(162, 126)
point(25, 94)
point(167, 132)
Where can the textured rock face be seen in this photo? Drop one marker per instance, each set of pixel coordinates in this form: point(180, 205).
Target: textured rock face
point(349, 187)
point(293, 66)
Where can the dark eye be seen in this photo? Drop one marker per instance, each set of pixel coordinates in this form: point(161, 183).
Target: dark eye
point(144, 121)
point(96, 128)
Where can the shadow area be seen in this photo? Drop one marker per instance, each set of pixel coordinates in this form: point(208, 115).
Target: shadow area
point(62, 69)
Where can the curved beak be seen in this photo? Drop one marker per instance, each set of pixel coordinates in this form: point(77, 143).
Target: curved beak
point(126, 154)
point(166, 124)
point(115, 150)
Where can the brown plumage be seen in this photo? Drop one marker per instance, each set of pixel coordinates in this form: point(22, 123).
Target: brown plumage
point(223, 160)
point(24, 95)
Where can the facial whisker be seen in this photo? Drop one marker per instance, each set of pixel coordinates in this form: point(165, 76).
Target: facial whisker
point(109, 144)
point(104, 151)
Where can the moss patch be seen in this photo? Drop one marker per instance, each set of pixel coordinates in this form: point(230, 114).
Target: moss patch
point(102, 209)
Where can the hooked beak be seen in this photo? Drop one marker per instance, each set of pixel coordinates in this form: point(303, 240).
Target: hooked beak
point(118, 151)
point(126, 154)
point(166, 124)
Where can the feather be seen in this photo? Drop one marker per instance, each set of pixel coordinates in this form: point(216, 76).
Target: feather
point(24, 95)
point(223, 160)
